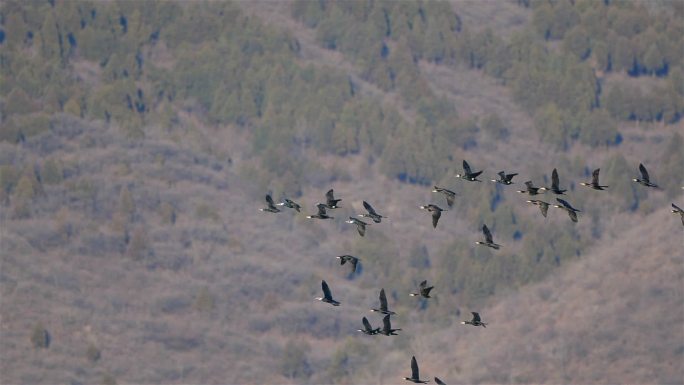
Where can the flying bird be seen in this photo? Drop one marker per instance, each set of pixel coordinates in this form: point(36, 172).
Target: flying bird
point(489, 241)
point(450, 195)
point(383, 304)
point(327, 296)
point(467, 174)
point(594, 181)
point(271, 207)
point(476, 321)
point(531, 190)
point(504, 178)
point(321, 213)
point(677, 210)
point(367, 328)
point(349, 258)
point(645, 180)
point(372, 214)
point(330, 201)
point(291, 204)
point(436, 213)
point(423, 291)
point(572, 212)
point(415, 377)
point(360, 225)
point(543, 206)
point(555, 184)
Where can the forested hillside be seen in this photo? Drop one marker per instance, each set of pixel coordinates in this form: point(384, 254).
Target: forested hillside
point(138, 140)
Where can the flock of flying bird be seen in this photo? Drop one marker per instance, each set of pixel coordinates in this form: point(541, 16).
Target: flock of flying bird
point(423, 290)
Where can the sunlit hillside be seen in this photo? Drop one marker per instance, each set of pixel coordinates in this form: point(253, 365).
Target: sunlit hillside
point(138, 141)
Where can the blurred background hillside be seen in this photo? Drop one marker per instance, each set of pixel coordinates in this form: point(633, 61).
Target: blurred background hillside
point(138, 139)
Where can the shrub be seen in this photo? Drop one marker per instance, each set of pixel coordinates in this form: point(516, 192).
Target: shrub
point(40, 337)
point(93, 353)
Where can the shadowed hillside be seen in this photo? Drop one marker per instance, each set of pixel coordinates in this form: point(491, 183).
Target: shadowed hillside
point(138, 141)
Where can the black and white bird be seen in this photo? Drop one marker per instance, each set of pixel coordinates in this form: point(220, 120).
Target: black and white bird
point(321, 213)
point(450, 195)
point(468, 174)
point(543, 206)
point(677, 210)
point(504, 178)
point(327, 295)
point(372, 214)
point(360, 225)
point(423, 290)
point(436, 213)
point(489, 240)
point(383, 304)
point(367, 328)
point(572, 212)
point(290, 204)
point(555, 184)
point(645, 180)
point(349, 258)
point(271, 207)
point(476, 321)
point(415, 376)
point(330, 201)
point(531, 190)
point(594, 181)
point(387, 327)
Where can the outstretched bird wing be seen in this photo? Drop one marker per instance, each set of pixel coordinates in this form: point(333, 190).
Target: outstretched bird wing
point(269, 200)
point(426, 291)
point(435, 217)
point(487, 234)
point(353, 261)
point(361, 227)
point(595, 176)
point(367, 324)
point(383, 300)
point(321, 209)
point(369, 208)
point(510, 176)
point(450, 198)
point(644, 173)
point(423, 284)
point(475, 174)
point(466, 167)
point(573, 215)
point(326, 291)
point(502, 175)
point(544, 208)
point(554, 180)
point(476, 317)
point(439, 382)
point(386, 324)
point(414, 369)
point(566, 204)
point(329, 195)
